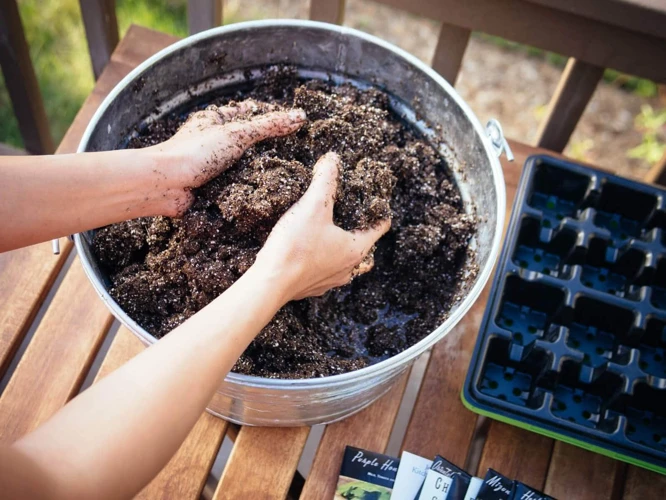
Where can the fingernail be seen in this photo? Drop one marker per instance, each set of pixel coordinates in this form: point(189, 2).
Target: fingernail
point(297, 115)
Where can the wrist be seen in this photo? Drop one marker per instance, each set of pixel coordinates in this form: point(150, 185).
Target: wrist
point(280, 280)
point(162, 190)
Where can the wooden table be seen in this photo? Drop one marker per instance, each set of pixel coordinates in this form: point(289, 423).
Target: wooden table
point(52, 326)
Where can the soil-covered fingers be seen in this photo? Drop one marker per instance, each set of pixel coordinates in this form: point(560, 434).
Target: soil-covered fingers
point(241, 108)
point(324, 182)
point(273, 124)
point(202, 119)
point(365, 266)
point(363, 241)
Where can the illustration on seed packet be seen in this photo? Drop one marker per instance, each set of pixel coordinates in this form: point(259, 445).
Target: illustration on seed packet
point(365, 475)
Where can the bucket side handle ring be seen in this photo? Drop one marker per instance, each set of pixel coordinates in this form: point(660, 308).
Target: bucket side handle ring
point(497, 139)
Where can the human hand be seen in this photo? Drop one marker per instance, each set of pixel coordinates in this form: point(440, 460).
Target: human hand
point(306, 252)
point(209, 142)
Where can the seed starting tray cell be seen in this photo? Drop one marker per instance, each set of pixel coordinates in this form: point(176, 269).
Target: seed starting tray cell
point(573, 341)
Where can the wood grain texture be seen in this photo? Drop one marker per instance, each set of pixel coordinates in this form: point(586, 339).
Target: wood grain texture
point(328, 11)
point(516, 453)
point(439, 396)
point(99, 20)
point(262, 463)
point(641, 484)
point(58, 357)
point(369, 429)
point(574, 91)
point(551, 29)
point(203, 15)
point(582, 474)
point(26, 275)
point(449, 51)
point(139, 44)
point(185, 474)
point(21, 82)
point(440, 424)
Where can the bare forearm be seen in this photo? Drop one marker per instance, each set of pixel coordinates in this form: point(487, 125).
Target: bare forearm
point(113, 438)
point(43, 197)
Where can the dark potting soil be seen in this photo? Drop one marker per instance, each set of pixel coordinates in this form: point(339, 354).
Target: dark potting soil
point(163, 270)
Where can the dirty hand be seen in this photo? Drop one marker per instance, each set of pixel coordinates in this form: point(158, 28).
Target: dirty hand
point(209, 142)
point(306, 252)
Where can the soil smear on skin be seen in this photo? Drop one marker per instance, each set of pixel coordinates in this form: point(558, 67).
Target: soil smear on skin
point(163, 270)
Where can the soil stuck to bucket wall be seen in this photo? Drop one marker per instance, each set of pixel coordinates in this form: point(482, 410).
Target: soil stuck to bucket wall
point(164, 270)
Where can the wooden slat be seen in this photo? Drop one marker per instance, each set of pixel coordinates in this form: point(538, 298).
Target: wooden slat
point(262, 463)
point(140, 43)
point(328, 11)
point(516, 453)
point(450, 50)
point(582, 474)
point(185, 474)
point(26, 275)
point(369, 429)
point(58, 357)
point(574, 90)
point(551, 29)
point(642, 484)
point(645, 16)
point(510, 450)
point(203, 15)
point(440, 424)
point(438, 408)
point(21, 82)
point(99, 19)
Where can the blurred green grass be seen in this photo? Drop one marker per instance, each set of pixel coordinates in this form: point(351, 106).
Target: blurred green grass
point(59, 51)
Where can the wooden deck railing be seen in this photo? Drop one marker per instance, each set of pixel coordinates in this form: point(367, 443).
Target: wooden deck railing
point(626, 35)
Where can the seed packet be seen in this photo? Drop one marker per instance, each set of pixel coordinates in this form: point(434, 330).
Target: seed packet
point(473, 488)
point(411, 474)
point(521, 491)
point(495, 487)
point(444, 481)
point(365, 474)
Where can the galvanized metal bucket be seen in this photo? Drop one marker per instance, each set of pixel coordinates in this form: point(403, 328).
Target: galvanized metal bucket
point(222, 57)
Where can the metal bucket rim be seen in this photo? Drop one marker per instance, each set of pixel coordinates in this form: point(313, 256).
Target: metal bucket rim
point(372, 370)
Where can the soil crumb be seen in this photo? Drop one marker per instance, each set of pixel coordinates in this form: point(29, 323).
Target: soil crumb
point(163, 270)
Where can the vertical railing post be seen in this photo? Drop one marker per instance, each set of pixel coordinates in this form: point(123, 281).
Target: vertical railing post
point(21, 82)
point(329, 11)
point(203, 15)
point(574, 90)
point(449, 52)
point(99, 19)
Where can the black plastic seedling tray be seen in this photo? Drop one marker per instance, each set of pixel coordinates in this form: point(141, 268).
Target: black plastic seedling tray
point(573, 341)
